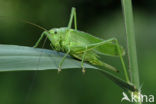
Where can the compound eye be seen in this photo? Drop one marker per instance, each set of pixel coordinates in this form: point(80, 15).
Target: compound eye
point(55, 32)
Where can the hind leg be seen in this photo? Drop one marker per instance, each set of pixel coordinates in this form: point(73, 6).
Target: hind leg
point(73, 17)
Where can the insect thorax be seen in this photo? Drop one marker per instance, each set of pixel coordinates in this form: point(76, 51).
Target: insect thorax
point(59, 38)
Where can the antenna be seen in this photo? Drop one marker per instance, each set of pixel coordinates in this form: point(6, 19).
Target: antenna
point(35, 73)
point(28, 22)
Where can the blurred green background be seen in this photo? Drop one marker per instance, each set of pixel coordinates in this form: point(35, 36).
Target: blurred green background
point(102, 18)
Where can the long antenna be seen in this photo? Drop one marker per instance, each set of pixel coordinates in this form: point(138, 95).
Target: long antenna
point(28, 22)
point(34, 77)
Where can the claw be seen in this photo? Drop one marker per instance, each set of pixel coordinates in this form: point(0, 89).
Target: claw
point(59, 70)
point(83, 70)
point(34, 46)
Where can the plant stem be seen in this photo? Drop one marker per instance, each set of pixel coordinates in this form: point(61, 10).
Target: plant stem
point(129, 25)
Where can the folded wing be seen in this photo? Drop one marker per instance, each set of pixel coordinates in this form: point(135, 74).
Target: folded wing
point(100, 46)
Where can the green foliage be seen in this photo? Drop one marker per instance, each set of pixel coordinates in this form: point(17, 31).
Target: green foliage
point(101, 18)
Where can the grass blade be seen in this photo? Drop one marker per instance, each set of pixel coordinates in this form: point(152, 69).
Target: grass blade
point(129, 24)
point(21, 58)
point(123, 84)
point(131, 44)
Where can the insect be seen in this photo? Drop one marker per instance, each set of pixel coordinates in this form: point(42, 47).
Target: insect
point(81, 45)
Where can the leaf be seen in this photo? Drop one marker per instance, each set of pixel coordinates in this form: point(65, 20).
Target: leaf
point(123, 84)
point(22, 58)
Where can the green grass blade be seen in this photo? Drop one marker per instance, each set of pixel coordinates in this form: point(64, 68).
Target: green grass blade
point(123, 84)
point(21, 58)
point(129, 24)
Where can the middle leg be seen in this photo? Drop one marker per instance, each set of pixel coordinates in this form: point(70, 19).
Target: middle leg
point(82, 61)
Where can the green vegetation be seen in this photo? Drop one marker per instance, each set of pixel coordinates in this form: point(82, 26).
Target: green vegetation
point(23, 83)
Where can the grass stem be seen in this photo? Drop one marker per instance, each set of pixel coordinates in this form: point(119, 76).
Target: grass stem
point(131, 44)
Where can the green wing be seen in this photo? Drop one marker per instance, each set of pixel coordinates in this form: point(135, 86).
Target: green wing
point(81, 39)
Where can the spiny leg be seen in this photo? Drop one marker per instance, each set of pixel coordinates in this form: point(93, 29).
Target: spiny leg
point(61, 62)
point(41, 37)
point(93, 46)
point(96, 45)
point(73, 14)
point(119, 51)
point(122, 61)
point(82, 61)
